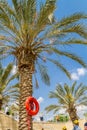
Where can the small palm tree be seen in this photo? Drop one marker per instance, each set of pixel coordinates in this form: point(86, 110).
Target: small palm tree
point(30, 33)
point(8, 92)
point(68, 98)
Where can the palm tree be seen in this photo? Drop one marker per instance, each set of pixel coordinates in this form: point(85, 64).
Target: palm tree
point(8, 92)
point(30, 33)
point(68, 98)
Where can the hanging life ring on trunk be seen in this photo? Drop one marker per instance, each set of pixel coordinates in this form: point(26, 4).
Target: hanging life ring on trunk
point(32, 106)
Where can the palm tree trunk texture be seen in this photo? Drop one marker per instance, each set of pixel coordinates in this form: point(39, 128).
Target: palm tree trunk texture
point(0, 101)
point(25, 72)
point(73, 114)
point(0, 104)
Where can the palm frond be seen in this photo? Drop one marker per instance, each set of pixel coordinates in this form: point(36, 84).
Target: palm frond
point(60, 89)
point(1, 70)
point(57, 94)
point(77, 89)
point(17, 8)
point(79, 29)
point(6, 89)
point(67, 89)
point(60, 66)
point(73, 87)
point(80, 92)
point(53, 95)
point(36, 81)
point(68, 97)
point(12, 93)
point(81, 100)
point(30, 12)
point(7, 21)
point(46, 10)
point(54, 108)
point(44, 75)
point(12, 78)
point(70, 19)
point(11, 87)
point(74, 41)
point(4, 50)
point(69, 55)
point(6, 74)
point(82, 103)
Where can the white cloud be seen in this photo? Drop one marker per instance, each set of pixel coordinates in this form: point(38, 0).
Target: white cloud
point(74, 76)
point(62, 111)
point(81, 110)
point(14, 70)
point(40, 99)
point(79, 72)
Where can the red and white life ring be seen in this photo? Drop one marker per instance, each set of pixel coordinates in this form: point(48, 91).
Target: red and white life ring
point(32, 106)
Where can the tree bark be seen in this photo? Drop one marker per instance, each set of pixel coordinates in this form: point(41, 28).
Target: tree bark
point(26, 88)
point(0, 104)
point(0, 101)
point(25, 61)
point(73, 114)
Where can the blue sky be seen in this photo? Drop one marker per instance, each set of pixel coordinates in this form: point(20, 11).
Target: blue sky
point(64, 8)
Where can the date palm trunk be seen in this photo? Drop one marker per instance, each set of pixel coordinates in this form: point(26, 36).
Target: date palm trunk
point(73, 114)
point(0, 104)
point(26, 70)
point(0, 101)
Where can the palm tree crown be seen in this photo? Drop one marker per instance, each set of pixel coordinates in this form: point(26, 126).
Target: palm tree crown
point(8, 92)
point(26, 30)
point(69, 98)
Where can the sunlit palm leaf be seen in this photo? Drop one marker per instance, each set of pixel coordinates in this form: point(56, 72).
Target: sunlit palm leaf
point(6, 73)
point(60, 66)
point(44, 75)
point(6, 89)
point(54, 108)
point(68, 97)
point(70, 19)
point(69, 55)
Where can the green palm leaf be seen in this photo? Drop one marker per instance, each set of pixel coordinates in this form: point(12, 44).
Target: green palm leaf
point(6, 73)
point(60, 66)
point(7, 90)
point(69, 55)
point(75, 41)
point(70, 20)
point(69, 98)
point(44, 75)
point(53, 107)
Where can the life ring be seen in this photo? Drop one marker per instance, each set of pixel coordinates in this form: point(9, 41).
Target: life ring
point(32, 106)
